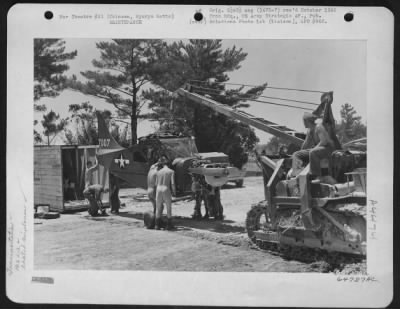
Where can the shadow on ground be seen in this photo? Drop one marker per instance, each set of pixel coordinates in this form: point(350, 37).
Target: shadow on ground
point(185, 223)
point(229, 186)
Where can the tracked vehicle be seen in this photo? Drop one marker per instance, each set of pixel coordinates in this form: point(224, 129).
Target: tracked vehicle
point(299, 214)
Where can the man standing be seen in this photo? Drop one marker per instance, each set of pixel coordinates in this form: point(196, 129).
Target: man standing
point(197, 195)
point(90, 169)
point(114, 194)
point(93, 191)
point(151, 185)
point(165, 189)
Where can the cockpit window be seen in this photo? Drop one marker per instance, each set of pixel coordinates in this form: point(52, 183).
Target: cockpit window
point(179, 147)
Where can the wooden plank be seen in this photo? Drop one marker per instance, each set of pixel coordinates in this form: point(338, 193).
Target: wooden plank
point(51, 185)
point(47, 197)
point(48, 175)
point(55, 196)
point(47, 164)
point(47, 167)
point(46, 181)
point(49, 182)
point(48, 187)
point(56, 207)
point(51, 190)
point(54, 177)
point(47, 152)
point(50, 193)
point(83, 206)
point(53, 155)
point(47, 161)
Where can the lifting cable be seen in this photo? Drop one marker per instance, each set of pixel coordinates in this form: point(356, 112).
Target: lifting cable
point(246, 85)
point(260, 101)
point(261, 96)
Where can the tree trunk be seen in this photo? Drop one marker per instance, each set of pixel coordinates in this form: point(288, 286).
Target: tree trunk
point(133, 129)
point(134, 118)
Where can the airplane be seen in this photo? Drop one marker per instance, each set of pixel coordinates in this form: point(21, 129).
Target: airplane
point(132, 164)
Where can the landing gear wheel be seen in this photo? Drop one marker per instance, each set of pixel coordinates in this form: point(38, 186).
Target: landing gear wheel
point(253, 219)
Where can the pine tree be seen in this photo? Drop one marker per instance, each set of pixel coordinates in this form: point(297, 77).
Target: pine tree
point(205, 64)
point(350, 126)
point(123, 68)
point(82, 127)
point(52, 125)
point(37, 138)
point(50, 62)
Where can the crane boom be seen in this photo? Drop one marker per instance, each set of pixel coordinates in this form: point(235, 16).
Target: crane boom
point(262, 124)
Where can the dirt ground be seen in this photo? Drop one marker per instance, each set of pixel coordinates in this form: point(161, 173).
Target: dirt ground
point(121, 242)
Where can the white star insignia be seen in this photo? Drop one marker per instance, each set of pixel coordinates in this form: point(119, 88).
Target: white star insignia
point(121, 161)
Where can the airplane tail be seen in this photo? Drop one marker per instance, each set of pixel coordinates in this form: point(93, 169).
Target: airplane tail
point(106, 140)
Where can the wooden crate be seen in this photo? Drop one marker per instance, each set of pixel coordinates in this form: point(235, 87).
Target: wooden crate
point(49, 174)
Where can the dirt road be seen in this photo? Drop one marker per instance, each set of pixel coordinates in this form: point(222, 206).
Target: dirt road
point(78, 241)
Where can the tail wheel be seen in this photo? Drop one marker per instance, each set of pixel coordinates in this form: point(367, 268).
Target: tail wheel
point(256, 219)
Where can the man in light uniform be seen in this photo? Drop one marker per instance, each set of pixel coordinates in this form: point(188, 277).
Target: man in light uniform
point(165, 183)
point(151, 185)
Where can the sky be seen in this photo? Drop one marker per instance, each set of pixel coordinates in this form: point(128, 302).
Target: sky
point(322, 65)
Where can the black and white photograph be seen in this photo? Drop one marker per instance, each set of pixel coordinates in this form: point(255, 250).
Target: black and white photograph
point(256, 149)
point(193, 157)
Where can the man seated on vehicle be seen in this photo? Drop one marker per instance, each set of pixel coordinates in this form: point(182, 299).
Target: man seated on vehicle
point(317, 146)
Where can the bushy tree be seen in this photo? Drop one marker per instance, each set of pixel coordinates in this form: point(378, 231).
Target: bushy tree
point(122, 70)
point(52, 125)
point(205, 64)
point(50, 62)
point(350, 126)
point(37, 138)
point(82, 126)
